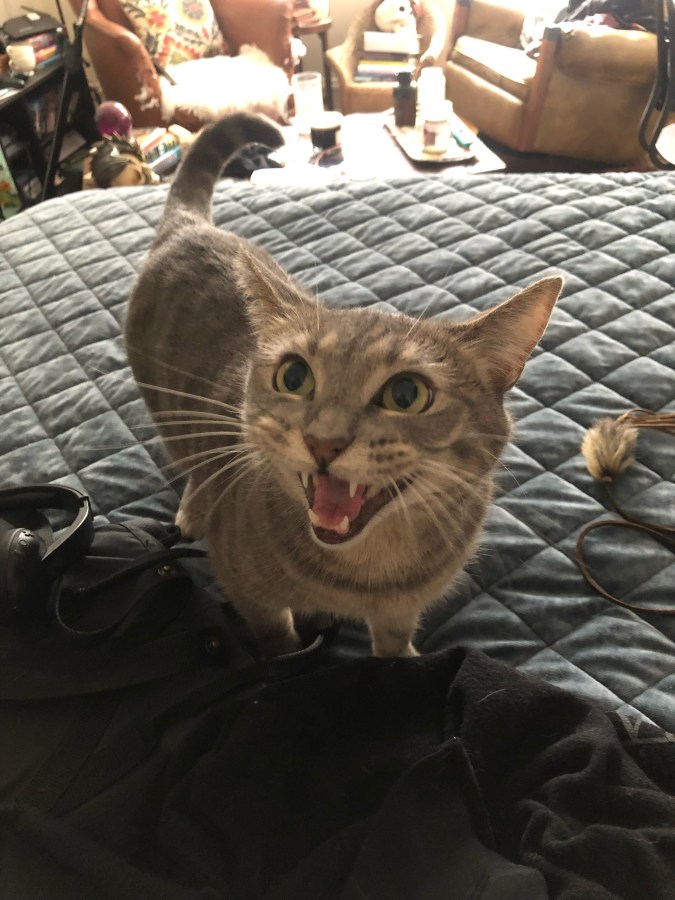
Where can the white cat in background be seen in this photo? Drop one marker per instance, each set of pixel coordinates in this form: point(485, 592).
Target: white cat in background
point(212, 87)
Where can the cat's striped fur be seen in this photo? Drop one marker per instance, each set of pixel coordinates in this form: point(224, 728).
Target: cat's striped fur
point(260, 390)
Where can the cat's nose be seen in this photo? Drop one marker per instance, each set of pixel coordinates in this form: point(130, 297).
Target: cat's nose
point(325, 450)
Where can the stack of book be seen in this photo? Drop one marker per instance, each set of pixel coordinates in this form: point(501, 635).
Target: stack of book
point(47, 47)
point(161, 148)
point(385, 54)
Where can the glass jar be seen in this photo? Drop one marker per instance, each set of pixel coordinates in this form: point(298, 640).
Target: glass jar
point(436, 130)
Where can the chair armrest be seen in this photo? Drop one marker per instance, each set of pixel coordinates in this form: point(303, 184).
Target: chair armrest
point(492, 20)
point(123, 67)
point(342, 60)
point(266, 23)
point(606, 54)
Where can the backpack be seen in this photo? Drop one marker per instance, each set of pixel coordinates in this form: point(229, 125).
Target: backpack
point(106, 637)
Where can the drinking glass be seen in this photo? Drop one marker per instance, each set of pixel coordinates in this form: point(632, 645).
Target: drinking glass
point(308, 97)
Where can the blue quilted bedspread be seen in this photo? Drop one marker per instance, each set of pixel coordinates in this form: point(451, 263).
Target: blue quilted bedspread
point(70, 412)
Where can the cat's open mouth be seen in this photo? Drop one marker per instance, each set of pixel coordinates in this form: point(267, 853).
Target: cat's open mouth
point(339, 510)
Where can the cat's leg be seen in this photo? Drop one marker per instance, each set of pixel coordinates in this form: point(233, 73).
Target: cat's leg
point(393, 633)
point(273, 629)
point(189, 517)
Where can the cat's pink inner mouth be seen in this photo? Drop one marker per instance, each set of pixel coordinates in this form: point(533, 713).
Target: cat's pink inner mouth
point(338, 510)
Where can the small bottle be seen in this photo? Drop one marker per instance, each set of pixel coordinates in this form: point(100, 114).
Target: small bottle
point(405, 101)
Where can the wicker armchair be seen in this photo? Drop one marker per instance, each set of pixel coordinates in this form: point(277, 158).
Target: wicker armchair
point(433, 28)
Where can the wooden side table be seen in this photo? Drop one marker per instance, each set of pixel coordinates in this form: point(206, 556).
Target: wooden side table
point(320, 28)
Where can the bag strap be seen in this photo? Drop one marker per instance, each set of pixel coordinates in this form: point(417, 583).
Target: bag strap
point(155, 559)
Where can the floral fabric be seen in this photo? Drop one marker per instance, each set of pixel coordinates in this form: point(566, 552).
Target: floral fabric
point(175, 31)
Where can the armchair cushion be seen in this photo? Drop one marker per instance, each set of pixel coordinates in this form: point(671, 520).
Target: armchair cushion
point(601, 53)
point(504, 67)
point(175, 31)
point(500, 21)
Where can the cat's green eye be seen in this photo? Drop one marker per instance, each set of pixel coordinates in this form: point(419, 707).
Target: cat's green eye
point(406, 394)
point(294, 376)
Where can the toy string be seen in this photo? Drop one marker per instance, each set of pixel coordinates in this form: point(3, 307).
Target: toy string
point(664, 534)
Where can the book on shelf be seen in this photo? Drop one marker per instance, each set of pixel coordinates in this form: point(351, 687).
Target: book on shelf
point(42, 112)
point(10, 198)
point(45, 56)
point(44, 40)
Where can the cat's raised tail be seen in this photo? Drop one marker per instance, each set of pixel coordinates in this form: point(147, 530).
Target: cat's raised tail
point(192, 189)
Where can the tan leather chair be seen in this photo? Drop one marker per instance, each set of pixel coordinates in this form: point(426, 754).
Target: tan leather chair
point(433, 28)
point(125, 70)
point(582, 97)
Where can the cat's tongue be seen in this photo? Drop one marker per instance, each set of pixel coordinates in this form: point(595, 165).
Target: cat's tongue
point(332, 501)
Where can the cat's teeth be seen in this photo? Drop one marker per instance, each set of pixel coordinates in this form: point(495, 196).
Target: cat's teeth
point(343, 527)
point(304, 477)
point(352, 487)
point(313, 518)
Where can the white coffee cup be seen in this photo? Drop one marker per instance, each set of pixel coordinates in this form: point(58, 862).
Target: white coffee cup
point(22, 58)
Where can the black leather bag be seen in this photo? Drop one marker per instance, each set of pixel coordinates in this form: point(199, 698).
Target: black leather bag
point(126, 638)
point(20, 28)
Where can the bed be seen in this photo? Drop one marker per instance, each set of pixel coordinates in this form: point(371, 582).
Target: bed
point(446, 247)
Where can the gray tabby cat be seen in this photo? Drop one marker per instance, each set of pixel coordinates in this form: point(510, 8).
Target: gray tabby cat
point(338, 460)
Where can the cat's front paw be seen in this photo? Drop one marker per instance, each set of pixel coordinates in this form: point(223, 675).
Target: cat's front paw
point(190, 526)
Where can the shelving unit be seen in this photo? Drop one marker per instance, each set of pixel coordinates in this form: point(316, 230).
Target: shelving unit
point(27, 122)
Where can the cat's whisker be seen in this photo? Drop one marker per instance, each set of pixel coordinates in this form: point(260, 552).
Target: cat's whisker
point(170, 366)
point(453, 474)
point(172, 423)
point(451, 469)
point(412, 486)
point(165, 390)
point(401, 500)
point(216, 452)
point(196, 416)
point(433, 495)
point(186, 470)
point(417, 320)
point(214, 475)
point(192, 435)
point(228, 487)
point(191, 415)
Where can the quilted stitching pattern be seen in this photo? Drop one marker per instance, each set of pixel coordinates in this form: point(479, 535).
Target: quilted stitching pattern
point(450, 247)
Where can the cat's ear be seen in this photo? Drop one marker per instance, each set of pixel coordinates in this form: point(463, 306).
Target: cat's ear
point(271, 293)
point(505, 336)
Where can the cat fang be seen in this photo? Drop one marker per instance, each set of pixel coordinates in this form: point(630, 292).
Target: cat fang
point(362, 501)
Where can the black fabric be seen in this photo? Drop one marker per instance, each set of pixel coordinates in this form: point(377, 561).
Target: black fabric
point(628, 13)
point(450, 775)
point(246, 161)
